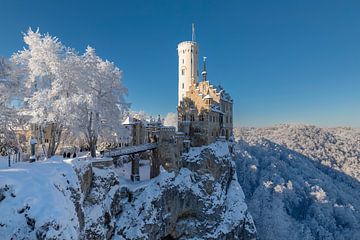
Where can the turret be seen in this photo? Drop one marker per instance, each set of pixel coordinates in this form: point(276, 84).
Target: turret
point(203, 73)
point(188, 66)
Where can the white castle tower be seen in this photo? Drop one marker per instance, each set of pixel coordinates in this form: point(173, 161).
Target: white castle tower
point(188, 65)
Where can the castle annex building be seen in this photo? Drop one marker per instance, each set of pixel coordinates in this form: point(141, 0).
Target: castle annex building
point(205, 111)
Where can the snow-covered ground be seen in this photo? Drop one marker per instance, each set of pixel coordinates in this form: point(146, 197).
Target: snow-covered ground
point(34, 194)
point(4, 162)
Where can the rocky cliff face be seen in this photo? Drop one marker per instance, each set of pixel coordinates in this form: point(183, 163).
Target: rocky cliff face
point(203, 200)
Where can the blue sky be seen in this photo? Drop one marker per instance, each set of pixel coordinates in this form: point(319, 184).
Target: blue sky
point(282, 61)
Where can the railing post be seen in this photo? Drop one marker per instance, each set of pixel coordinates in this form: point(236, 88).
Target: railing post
point(135, 168)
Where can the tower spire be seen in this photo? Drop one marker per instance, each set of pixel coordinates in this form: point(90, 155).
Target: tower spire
point(203, 73)
point(193, 32)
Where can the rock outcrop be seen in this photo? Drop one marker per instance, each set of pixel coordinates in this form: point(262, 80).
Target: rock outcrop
point(203, 201)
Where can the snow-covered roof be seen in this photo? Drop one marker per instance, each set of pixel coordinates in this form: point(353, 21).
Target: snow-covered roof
point(216, 108)
point(128, 121)
point(208, 97)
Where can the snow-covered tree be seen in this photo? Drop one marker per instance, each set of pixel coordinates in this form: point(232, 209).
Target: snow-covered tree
point(171, 119)
point(301, 182)
point(8, 114)
point(141, 115)
point(46, 61)
point(81, 94)
point(100, 101)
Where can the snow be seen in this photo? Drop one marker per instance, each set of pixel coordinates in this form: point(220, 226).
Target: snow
point(338, 148)
point(171, 119)
point(128, 121)
point(301, 182)
point(124, 171)
point(220, 148)
point(39, 191)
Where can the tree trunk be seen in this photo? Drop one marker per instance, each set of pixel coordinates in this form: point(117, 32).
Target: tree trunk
point(92, 138)
point(58, 138)
point(54, 141)
point(51, 142)
point(93, 149)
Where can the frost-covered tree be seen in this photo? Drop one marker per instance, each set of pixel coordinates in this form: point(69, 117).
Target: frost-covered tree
point(301, 182)
point(100, 101)
point(81, 94)
point(8, 113)
point(141, 115)
point(46, 62)
point(171, 119)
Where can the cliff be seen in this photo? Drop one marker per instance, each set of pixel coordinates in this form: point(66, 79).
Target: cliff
point(72, 199)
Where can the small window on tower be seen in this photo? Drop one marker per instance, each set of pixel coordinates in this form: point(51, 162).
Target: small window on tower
point(183, 61)
point(183, 86)
point(183, 72)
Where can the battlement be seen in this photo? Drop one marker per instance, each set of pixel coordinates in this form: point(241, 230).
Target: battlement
point(187, 43)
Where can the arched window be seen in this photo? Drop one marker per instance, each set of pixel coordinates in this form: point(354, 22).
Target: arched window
point(183, 72)
point(201, 117)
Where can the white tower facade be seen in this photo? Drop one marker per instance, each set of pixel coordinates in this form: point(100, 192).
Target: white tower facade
point(188, 66)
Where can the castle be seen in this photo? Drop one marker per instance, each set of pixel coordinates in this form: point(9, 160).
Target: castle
point(205, 112)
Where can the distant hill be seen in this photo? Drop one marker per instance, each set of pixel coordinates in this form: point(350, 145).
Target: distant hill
point(301, 182)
